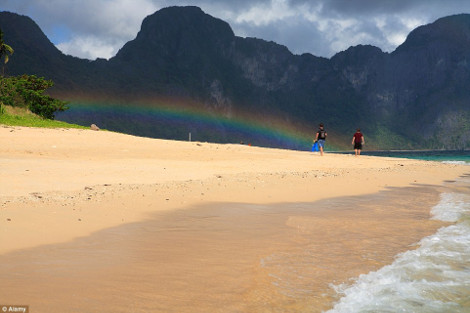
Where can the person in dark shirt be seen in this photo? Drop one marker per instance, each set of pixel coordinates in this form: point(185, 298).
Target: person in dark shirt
point(358, 141)
point(320, 138)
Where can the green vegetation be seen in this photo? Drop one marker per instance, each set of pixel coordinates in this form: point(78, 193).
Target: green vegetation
point(27, 91)
point(382, 137)
point(5, 50)
point(15, 116)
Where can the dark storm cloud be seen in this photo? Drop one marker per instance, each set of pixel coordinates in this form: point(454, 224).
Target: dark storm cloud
point(361, 7)
point(291, 33)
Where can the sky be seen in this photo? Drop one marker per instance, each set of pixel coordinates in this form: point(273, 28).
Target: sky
point(99, 28)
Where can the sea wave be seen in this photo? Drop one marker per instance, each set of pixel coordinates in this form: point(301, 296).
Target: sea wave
point(456, 162)
point(452, 207)
point(433, 278)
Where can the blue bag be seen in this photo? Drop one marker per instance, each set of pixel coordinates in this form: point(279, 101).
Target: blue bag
point(315, 147)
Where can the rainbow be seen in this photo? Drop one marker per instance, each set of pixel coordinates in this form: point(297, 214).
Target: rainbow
point(179, 122)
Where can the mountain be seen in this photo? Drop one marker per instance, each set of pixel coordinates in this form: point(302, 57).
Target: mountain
point(415, 97)
point(35, 54)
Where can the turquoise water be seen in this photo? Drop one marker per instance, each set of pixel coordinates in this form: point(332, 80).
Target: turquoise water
point(458, 156)
point(434, 278)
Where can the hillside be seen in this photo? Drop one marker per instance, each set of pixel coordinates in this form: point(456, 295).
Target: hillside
point(186, 61)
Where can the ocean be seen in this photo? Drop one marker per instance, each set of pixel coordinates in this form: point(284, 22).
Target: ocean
point(446, 156)
point(435, 277)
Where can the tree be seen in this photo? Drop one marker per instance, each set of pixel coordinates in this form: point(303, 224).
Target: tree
point(5, 50)
point(28, 91)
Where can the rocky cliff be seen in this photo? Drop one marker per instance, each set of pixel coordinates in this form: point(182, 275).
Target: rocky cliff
point(415, 97)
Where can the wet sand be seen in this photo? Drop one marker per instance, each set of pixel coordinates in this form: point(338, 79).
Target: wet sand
point(225, 257)
point(198, 227)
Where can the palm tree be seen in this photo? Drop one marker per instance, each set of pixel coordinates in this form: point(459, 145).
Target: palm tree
point(5, 50)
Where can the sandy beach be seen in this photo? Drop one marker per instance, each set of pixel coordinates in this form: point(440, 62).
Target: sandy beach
point(96, 220)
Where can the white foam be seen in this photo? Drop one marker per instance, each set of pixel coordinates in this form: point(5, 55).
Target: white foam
point(456, 162)
point(452, 207)
point(433, 278)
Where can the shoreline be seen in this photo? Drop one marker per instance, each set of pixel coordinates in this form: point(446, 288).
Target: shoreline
point(241, 257)
point(60, 184)
point(230, 217)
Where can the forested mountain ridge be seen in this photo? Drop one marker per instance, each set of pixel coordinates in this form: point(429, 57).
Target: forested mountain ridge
point(415, 97)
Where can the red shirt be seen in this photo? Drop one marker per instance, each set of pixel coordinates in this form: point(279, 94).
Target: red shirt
point(358, 137)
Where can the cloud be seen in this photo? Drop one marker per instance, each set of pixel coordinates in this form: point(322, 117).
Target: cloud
point(107, 24)
point(99, 28)
point(305, 27)
point(267, 13)
point(368, 7)
point(323, 27)
point(90, 47)
point(103, 27)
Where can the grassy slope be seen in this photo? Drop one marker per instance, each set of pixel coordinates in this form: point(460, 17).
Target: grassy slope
point(14, 116)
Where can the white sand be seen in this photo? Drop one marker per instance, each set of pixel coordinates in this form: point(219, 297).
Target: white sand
point(46, 173)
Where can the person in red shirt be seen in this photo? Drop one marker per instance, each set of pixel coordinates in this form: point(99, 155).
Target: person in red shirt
point(358, 141)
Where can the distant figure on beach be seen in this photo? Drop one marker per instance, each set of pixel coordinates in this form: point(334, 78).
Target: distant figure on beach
point(320, 138)
point(358, 141)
